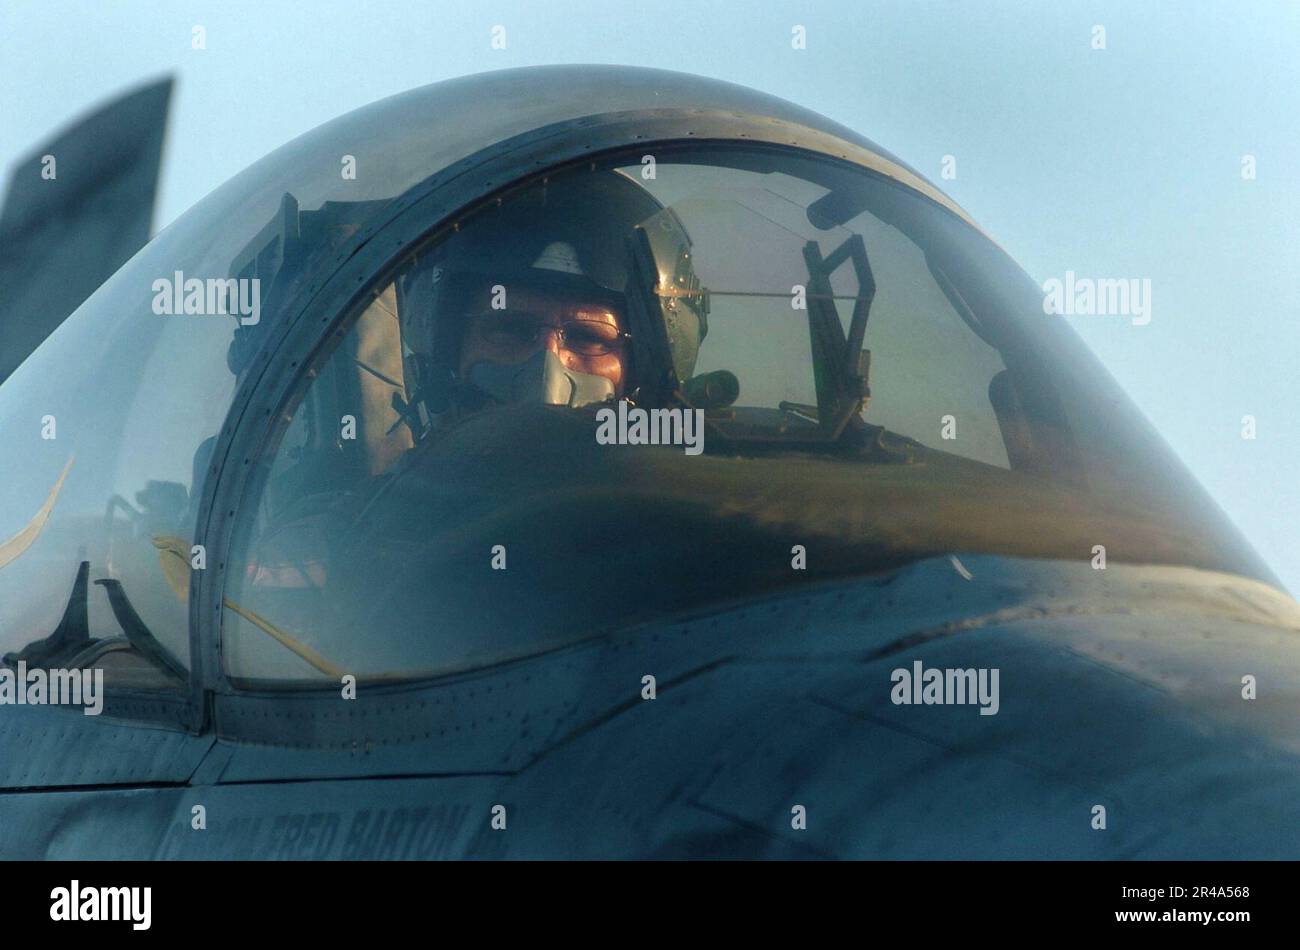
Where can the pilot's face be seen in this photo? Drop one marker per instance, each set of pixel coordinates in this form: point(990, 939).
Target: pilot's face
point(587, 337)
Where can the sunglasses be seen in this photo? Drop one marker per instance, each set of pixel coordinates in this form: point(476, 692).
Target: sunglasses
point(584, 337)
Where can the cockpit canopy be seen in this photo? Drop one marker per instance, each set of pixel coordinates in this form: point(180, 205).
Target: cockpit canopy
point(619, 383)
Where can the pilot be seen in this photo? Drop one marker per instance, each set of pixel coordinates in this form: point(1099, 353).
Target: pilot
point(549, 343)
point(571, 292)
point(575, 291)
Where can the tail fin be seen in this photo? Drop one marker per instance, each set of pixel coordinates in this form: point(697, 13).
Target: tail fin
point(76, 210)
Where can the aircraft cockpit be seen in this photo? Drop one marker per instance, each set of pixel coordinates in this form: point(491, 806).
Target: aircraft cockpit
point(500, 392)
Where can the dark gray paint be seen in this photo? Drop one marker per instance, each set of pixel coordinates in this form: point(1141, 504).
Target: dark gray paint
point(65, 236)
point(1119, 688)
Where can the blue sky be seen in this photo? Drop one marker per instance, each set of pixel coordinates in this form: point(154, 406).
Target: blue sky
point(1122, 162)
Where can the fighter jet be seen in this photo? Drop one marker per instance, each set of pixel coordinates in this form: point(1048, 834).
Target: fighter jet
point(595, 462)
